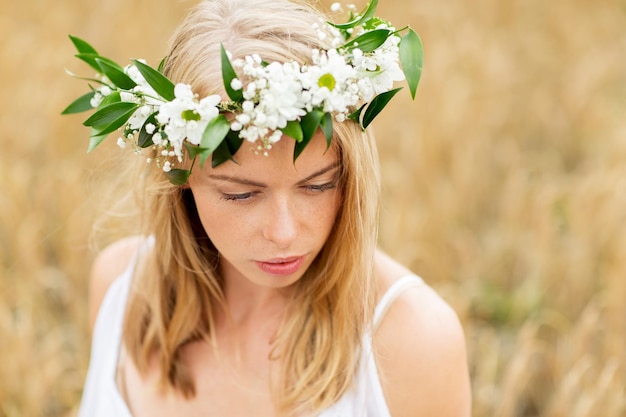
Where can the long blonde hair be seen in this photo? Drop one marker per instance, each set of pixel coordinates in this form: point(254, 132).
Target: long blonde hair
point(178, 288)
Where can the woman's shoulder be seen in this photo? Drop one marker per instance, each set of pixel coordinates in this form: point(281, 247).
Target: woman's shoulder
point(109, 264)
point(420, 350)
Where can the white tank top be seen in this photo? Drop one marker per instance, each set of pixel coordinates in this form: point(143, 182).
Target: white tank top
point(102, 398)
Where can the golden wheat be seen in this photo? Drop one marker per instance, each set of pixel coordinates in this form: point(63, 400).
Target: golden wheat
point(504, 186)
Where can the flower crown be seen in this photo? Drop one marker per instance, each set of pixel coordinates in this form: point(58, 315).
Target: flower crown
point(352, 79)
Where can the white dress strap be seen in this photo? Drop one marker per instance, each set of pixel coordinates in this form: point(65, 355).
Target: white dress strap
point(392, 293)
point(101, 397)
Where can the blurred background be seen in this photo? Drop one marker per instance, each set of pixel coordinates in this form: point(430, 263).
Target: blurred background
point(504, 187)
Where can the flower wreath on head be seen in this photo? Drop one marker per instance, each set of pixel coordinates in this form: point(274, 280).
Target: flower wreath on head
point(352, 79)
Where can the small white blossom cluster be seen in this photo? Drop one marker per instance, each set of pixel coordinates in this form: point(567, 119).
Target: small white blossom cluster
point(382, 64)
point(272, 97)
point(100, 94)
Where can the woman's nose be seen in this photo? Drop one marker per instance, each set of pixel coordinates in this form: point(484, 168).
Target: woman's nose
point(281, 226)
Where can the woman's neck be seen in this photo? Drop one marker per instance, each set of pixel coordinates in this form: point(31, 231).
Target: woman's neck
point(249, 303)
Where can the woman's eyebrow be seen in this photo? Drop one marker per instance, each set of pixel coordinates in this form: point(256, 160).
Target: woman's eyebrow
point(320, 172)
point(245, 181)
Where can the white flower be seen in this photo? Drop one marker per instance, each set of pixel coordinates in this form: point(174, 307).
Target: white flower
point(167, 166)
point(96, 99)
point(134, 74)
point(185, 117)
point(243, 118)
point(273, 98)
point(329, 82)
point(129, 97)
point(121, 143)
point(275, 137)
point(235, 84)
point(139, 117)
point(143, 89)
point(157, 139)
point(366, 89)
point(247, 106)
point(389, 72)
point(335, 7)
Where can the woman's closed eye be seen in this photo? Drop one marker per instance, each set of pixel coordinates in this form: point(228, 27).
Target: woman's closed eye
point(248, 196)
point(318, 188)
point(238, 196)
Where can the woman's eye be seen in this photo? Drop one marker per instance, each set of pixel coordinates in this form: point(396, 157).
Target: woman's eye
point(321, 187)
point(236, 197)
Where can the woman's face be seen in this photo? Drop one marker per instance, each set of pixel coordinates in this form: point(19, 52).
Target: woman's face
point(268, 217)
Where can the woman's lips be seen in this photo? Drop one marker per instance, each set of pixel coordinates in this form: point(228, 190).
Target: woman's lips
point(281, 266)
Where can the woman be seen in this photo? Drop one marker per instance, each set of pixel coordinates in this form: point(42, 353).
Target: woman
point(260, 291)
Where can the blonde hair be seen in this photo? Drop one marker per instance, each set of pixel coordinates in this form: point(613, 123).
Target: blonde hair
point(178, 288)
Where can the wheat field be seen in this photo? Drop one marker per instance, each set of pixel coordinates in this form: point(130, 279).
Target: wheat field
point(504, 186)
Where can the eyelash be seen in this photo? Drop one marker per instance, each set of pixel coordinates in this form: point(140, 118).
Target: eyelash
point(313, 188)
point(236, 197)
point(321, 187)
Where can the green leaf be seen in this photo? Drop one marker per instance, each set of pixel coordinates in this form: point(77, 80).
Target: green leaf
point(110, 118)
point(233, 141)
point(213, 135)
point(95, 139)
point(161, 84)
point(115, 74)
point(293, 130)
point(81, 104)
point(297, 150)
point(114, 97)
point(94, 80)
point(82, 46)
point(162, 64)
point(227, 149)
point(356, 115)
point(90, 59)
point(412, 59)
point(194, 150)
point(228, 75)
point(361, 18)
point(221, 154)
point(109, 114)
point(115, 124)
point(178, 176)
point(375, 22)
point(310, 122)
point(369, 41)
point(144, 139)
point(376, 105)
point(326, 124)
